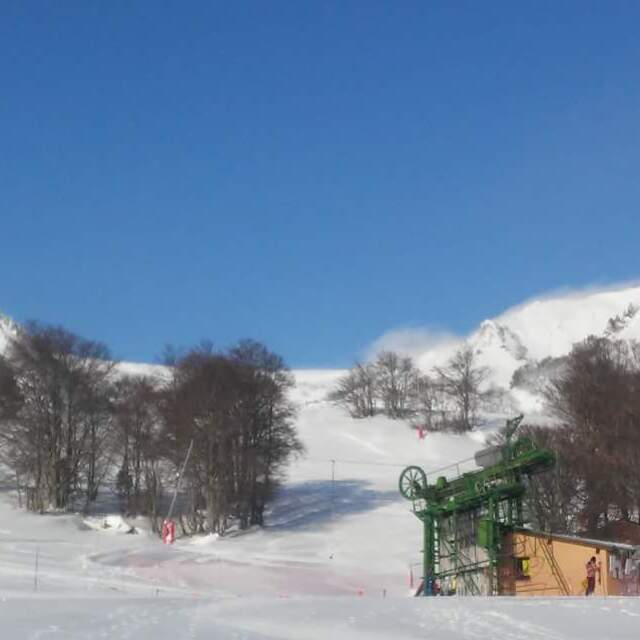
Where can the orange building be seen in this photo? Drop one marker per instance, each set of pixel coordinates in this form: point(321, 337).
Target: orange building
point(542, 564)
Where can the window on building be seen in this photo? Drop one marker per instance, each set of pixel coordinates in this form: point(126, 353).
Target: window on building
point(521, 568)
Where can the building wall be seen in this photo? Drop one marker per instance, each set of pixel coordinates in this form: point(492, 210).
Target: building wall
point(570, 560)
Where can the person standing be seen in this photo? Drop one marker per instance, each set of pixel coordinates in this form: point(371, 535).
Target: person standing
point(592, 567)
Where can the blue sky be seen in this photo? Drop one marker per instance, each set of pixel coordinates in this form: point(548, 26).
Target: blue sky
point(311, 174)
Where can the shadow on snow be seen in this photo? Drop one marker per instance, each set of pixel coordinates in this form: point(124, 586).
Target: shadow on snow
point(320, 502)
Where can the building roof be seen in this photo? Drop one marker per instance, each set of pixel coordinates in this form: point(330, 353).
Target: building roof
point(590, 542)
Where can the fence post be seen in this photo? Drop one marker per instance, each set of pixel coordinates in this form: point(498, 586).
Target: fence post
point(35, 575)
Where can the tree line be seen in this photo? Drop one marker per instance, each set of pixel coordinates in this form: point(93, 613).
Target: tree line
point(71, 425)
point(594, 397)
point(448, 398)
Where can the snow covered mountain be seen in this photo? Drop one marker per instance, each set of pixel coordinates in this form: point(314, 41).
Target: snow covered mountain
point(542, 328)
point(539, 328)
point(526, 334)
point(549, 327)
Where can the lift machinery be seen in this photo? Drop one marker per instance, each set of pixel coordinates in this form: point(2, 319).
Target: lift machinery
point(465, 518)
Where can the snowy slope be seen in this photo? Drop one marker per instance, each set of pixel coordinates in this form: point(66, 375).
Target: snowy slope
point(340, 506)
point(332, 562)
point(334, 559)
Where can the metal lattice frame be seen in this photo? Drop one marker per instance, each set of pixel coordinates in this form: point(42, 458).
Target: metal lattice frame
point(464, 519)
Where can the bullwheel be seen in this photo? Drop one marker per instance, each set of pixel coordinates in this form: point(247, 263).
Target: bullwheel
point(413, 481)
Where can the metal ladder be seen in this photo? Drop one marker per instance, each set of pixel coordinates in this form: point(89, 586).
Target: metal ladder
point(555, 568)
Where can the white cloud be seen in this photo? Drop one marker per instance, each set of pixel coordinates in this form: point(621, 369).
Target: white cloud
point(569, 293)
point(412, 341)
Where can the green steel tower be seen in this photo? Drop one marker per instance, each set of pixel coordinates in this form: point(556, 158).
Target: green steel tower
point(465, 519)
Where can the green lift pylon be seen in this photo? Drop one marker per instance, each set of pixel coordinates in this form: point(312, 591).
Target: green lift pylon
point(465, 519)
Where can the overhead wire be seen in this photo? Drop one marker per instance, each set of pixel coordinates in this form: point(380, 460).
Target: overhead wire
point(396, 465)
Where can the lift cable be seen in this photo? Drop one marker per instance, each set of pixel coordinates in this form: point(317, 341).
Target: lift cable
point(395, 465)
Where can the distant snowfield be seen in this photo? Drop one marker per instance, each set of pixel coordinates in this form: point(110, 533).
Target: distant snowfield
point(334, 559)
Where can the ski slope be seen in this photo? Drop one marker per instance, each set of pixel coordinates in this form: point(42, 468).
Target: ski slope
point(332, 562)
point(335, 557)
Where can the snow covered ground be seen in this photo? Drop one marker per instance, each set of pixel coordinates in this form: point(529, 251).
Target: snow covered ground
point(333, 561)
point(259, 618)
point(335, 556)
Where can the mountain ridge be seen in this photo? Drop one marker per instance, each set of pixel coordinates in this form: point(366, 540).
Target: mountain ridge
point(525, 334)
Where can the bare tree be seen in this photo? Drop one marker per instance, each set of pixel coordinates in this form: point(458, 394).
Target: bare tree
point(389, 382)
point(137, 432)
point(234, 407)
point(268, 435)
point(554, 499)
point(55, 437)
point(68, 421)
point(461, 381)
point(597, 402)
point(357, 391)
point(427, 403)
point(396, 378)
